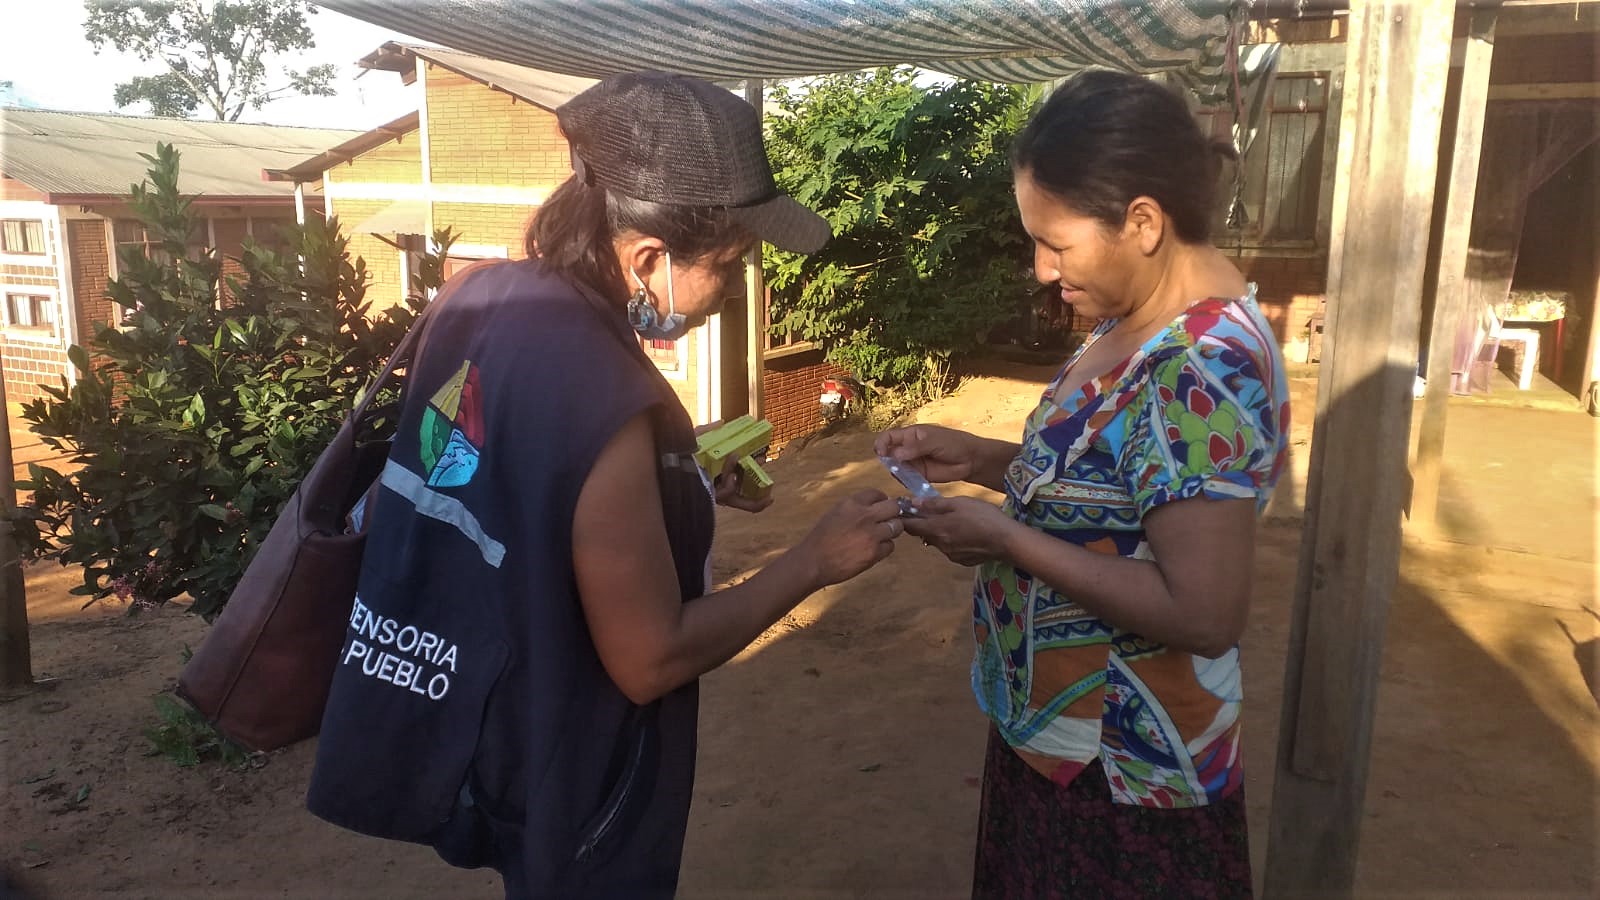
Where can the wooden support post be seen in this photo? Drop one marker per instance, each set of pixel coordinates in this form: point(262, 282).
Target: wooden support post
point(16, 656)
point(1450, 298)
point(733, 339)
point(1348, 89)
point(1591, 352)
point(1397, 62)
point(756, 291)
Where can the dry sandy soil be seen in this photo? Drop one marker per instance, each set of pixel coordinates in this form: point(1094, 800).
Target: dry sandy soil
point(841, 753)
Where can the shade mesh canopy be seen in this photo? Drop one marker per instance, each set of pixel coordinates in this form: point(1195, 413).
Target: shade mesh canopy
point(1018, 41)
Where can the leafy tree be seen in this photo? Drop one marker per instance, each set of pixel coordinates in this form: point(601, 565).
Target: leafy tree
point(215, 52)
point(928, 252)
point(192, 423)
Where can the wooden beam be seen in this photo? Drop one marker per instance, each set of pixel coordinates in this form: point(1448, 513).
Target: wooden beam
point(1332, 142)
point(756, 291)
point(733, 338)
point(1591, 356)
point(1322, 56)
point(1563, 17)
point(16, 658)
point(1586, 90)
point(1450, 297)
point(1347, 84)
point(1349, 560)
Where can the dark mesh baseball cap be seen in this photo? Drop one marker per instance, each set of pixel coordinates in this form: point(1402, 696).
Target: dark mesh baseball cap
point(679, 140)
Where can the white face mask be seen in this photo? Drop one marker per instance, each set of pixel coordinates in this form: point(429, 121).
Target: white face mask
point(647, 321)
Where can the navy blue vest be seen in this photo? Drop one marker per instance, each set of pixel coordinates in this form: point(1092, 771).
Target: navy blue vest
point(469, 710)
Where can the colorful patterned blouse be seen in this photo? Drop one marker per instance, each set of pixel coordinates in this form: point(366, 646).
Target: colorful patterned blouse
point(1202, 409)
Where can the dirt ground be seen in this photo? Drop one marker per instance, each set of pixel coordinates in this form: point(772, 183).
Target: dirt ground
point(841, 753)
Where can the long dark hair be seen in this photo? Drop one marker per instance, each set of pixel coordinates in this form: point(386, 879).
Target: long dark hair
point(573, 233)
point(1105, 138)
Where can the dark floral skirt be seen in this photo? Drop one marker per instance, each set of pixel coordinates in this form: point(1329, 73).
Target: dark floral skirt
point(1037, 839)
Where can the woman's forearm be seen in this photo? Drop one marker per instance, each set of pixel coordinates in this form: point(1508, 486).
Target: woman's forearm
point(1131, 594)
point(990, 460)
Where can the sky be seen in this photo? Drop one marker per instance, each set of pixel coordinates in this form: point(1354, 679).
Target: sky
point(52, 66)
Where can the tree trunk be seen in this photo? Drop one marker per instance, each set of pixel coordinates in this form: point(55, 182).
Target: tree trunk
point(16, 658)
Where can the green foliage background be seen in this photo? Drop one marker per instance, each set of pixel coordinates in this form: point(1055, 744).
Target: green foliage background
point(194, 420)
point(928, 253)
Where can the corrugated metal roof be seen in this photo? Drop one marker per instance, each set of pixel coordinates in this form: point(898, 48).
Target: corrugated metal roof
point(312, 169)
point(97, 154)
point(546, 90)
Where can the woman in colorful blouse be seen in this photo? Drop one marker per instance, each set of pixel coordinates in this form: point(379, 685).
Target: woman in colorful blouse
point(1113, 583)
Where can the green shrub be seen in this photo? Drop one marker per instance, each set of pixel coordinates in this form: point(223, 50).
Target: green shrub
point(192, 422)
point(928, 253)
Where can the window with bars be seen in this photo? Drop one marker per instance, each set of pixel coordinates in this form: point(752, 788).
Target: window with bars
point(133, 233)
point(23, 237)
point(665, 354)
point(1282, 177)
point(778, 339)
point(33, 312)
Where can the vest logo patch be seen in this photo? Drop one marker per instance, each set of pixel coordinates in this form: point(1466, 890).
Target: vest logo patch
point(452, 430)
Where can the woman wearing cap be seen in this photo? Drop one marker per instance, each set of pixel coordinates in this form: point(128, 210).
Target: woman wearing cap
point(1114, 581)
point(518, 684)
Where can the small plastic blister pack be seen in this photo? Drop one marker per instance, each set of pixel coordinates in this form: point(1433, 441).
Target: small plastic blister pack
point(913, 481)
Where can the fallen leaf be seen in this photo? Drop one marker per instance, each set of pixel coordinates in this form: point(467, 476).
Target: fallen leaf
point(38, 778)
point(871, 767)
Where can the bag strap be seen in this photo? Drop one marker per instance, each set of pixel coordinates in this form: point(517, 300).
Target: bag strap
point(411, 346)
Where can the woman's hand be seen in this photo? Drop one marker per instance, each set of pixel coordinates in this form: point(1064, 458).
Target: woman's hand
point(941, 454)
point(726, 487)
point(851, 538)
point(967, 530)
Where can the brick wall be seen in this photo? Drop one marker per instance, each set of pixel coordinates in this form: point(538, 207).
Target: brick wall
point(396, 162)
point(791, 385)
point(91, 270)
point(28, 366)
point(28, 363)
point(496, 225)
point(12, 189)
point(24, 275)
point(478, 135)
point(1290, 290)
point(230, 235)
point(385, 288)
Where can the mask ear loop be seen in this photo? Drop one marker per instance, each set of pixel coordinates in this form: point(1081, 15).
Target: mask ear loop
point(640, 313)
point(672, 304)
